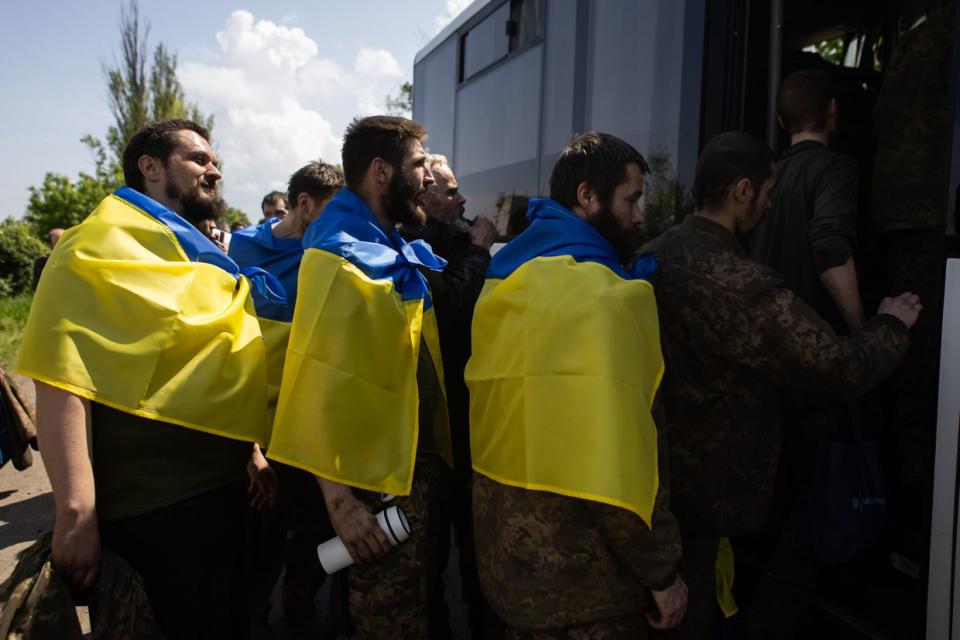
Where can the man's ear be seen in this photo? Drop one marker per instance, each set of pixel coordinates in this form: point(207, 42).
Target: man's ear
point(304, 201)
point(382, 171)
point(780, 122)
point(585, 196)
point(743, 190)
point(151, 168)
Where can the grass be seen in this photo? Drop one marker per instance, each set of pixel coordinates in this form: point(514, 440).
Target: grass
point(13, 316)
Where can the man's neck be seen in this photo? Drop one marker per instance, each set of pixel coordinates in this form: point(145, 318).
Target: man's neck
point(160, 196)
point(817, 136)
point(294, 225)
point(720, 217)
point(376, 206)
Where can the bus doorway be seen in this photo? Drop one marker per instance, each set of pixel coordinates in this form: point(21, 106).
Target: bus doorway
point(893, 63)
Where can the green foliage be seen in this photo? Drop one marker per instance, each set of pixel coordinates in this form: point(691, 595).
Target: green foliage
point(19, 247)
point(13, 317)
point(831, 50)
point(137, 94)
point(232, 215)
point(402, 103)
point(62, 202)
point(666, 201)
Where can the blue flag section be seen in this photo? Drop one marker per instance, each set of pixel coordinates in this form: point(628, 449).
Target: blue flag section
point(258, 247)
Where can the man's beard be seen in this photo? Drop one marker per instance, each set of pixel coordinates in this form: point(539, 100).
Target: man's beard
point(625, 239)
point(400, 202)
point(194, 205)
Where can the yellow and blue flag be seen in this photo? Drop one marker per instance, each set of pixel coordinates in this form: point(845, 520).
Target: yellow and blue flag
point(566, 363)
point(258, 247)
point(348, 407)
point(137, 310)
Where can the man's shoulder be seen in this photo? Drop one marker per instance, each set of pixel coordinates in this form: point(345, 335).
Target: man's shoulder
point(689, 261)
point(822, 159)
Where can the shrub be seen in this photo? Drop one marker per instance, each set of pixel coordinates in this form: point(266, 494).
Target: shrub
point(18, 250)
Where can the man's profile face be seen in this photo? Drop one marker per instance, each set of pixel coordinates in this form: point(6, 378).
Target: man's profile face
point(408, 184)
point(191, 177)
point(620, 219)
point(443, 201)
point(277, 209)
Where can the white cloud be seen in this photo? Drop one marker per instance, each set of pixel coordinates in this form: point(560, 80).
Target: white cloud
point(377, 63)
point(453, 9)
point(279, 101)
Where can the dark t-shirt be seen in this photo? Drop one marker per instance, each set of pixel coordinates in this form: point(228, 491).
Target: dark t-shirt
point(140, 465)
point(811, 226)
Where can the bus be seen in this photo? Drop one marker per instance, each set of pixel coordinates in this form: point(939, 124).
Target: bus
point(504, 86)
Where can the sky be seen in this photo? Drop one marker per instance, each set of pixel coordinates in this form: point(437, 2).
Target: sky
point(281, 77)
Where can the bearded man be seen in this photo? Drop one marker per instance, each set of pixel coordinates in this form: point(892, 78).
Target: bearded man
point(573, 532)
point(362, 404)
point(151, 383)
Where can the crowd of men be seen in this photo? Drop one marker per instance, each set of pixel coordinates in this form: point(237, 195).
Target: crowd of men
point(589, 420)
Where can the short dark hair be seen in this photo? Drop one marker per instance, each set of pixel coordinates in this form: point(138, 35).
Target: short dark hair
point(157, 139)
point(727, 159)
point(600, 160)
point(376, 137)
point(803, 100)
point(317, 179)
point(273, 198)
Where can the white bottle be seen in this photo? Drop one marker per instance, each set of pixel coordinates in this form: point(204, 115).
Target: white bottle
point(333, 553)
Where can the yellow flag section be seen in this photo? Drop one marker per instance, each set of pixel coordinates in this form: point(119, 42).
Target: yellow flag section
point(123, 318)
point(723, 578)
point(566, 363)
point(348, 408)
point(276, 337)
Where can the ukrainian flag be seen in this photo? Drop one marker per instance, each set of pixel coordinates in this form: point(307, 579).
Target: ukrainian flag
point(566, 363)
point(138, 311)
point(258, 247)
point(348, 408)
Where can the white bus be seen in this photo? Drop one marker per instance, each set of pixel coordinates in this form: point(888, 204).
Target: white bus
point(504, 86)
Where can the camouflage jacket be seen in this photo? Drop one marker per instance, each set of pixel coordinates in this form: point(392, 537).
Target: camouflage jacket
point(734, 340)
point(548, 561)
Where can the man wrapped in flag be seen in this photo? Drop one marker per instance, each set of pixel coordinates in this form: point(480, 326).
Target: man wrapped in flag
point(294, 520)
point(362, 404)
point(151, 383)
point(573, 531)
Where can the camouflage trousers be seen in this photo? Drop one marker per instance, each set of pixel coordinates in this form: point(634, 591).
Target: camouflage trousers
point(627, 627)
point(388, 598)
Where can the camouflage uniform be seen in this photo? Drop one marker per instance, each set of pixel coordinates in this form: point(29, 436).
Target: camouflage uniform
point(554, 566)
point(35, 601)
point(388, 597)
point(734, 339)
point(907, 214)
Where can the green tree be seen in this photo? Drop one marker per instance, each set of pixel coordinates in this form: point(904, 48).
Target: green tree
point(402, 103)
point(232, 215)
point(138, 94)
point(19, 247)
point(62, 202)
point(666, 201)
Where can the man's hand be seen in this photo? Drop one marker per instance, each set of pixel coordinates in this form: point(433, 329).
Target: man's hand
point(76, 547)
point(671, 605)
point(264, 487)
point(905, 307)
point(483, 233)
point(354, 522)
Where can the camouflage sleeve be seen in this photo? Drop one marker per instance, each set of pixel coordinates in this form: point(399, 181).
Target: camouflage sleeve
point(651, 553)
point(794, 346)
